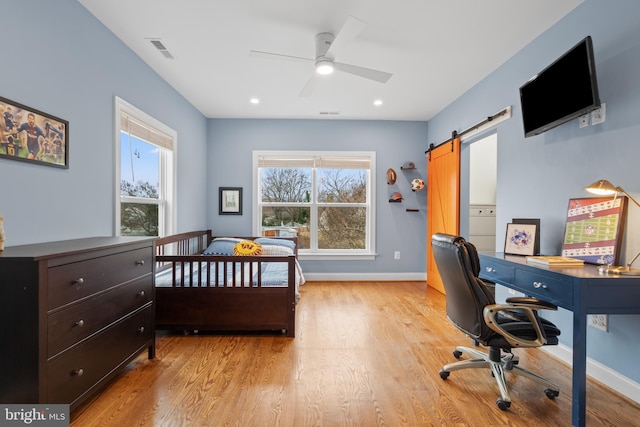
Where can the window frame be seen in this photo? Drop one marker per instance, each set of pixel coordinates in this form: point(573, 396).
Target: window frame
point(166, 173)
point(368, 253)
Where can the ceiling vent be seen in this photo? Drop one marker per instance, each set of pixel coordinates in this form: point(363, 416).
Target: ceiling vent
point(161, 47)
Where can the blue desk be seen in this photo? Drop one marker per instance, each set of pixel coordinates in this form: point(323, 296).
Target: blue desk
point(581, 290)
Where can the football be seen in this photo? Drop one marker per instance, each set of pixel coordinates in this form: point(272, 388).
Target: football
point(391, 176)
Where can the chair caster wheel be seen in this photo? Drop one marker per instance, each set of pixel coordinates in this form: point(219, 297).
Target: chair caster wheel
point(551, 394)
point(457, 354)
point(503, 404)
point(444, 374)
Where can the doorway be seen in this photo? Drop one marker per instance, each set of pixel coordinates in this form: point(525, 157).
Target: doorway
point(483, 171)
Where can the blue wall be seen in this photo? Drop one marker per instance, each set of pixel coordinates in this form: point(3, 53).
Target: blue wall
point(59, 59)
point(231, 143)
point(537, 176)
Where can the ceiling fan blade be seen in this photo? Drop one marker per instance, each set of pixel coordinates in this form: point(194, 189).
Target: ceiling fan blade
point(367, 73)
point(269, 55)
point(349, 31)
point(307, 90)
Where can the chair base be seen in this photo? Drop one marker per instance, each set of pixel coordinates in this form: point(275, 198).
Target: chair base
point(498, 363)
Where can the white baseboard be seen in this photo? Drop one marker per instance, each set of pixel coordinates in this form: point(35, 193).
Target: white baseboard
point(598, 372)
point(348, 277)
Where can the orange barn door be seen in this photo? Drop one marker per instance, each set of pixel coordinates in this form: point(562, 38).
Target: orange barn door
point(443, 200)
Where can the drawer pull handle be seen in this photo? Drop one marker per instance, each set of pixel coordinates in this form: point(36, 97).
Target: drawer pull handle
point(490, 270)
point(141, 329)
point(78, 281)
point(140, 262)
point(79, 323)
point(78, 372)
point(141, 293)
point(539, 285)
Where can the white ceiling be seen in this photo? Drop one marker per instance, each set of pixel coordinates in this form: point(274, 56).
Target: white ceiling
point(436, 50)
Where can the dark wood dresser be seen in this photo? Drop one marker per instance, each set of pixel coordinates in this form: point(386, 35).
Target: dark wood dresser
point(72, 315)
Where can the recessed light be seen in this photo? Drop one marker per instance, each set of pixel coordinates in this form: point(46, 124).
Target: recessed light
point(377, 102)
point(254, 101)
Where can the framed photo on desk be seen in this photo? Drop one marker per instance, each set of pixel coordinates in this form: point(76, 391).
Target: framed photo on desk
point(593, 229)
point(536, 221)
point(520, 239)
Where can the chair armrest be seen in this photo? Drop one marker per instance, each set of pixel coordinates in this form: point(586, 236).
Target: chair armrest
point(527, 306)
point(532, 301)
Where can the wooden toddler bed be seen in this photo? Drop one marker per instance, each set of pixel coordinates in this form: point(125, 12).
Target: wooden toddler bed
point(201, 285)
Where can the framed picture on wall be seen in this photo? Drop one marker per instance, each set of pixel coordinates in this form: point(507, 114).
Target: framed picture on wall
point(230, 201)
point(29, 135)
point(520, 239)
point(594, 228)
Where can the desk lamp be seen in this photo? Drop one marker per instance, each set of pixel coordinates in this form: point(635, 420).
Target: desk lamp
point(605, 188)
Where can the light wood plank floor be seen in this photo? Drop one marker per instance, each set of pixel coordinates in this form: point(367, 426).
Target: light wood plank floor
point(365, 354)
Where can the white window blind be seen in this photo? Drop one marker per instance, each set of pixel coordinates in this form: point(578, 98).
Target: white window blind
point(141, 130)
point(356, 162)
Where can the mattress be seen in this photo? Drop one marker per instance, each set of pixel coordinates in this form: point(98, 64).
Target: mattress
point(246, 274)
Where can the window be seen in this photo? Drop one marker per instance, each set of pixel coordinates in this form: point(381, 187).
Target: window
point(325, 199)
point(145, 174)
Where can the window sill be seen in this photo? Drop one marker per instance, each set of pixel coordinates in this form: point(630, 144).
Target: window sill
point(336, 257)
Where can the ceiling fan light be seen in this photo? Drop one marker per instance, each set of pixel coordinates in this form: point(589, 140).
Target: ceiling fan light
point(324, 67)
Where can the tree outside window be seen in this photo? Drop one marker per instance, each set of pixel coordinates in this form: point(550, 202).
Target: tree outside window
point(324, 200)
point(139, 172)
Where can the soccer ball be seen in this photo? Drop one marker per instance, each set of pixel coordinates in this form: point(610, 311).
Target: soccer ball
point(417, 184)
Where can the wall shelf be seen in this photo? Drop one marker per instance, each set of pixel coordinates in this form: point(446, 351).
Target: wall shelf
point(407, 166)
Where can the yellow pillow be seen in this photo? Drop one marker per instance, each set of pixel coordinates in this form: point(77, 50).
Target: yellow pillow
point(247, 247)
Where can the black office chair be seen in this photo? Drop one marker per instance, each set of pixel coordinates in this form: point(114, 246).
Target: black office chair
point(501, 327)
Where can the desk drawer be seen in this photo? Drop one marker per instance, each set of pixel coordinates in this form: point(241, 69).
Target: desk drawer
point(544, 287)
point(496, 272)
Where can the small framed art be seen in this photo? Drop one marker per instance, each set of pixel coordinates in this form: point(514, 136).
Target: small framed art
point(520, 239)
point(536, 221)
point(230, 201)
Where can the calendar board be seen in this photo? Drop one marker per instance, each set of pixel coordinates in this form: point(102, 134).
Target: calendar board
point(593, 230)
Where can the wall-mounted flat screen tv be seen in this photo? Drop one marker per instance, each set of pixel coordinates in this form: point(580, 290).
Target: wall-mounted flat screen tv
point(563, 91)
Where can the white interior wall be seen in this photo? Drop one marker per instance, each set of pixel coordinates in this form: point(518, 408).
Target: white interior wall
point(483, 171)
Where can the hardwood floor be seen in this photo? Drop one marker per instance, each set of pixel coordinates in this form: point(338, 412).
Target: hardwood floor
point(365, 354)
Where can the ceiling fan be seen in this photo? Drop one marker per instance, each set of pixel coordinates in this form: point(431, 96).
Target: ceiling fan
point(328, 47)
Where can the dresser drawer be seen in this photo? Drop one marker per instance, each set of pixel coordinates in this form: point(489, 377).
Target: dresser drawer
point(496, 272)
point(78, 321)
point(77, 370)
point(70, 282)
point(545, 287)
